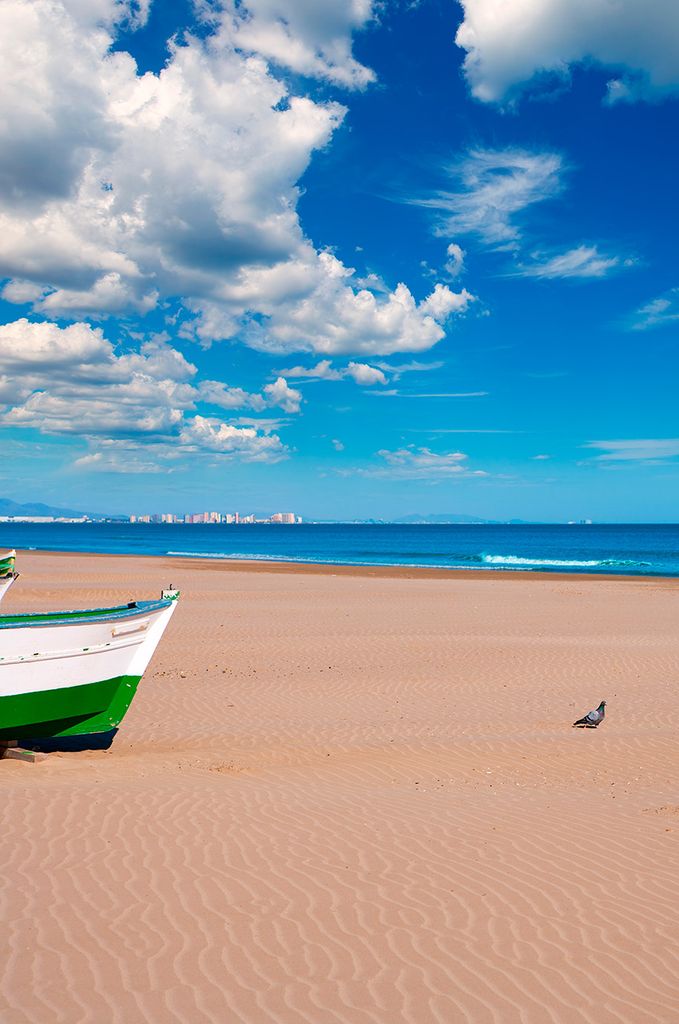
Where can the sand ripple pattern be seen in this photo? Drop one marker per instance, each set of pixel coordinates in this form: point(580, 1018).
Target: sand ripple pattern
point(358, 801)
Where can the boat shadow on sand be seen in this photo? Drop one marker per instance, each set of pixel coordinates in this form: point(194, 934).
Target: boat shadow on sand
point(72, 744)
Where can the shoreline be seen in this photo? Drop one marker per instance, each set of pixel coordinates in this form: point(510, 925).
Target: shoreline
point(283, 567)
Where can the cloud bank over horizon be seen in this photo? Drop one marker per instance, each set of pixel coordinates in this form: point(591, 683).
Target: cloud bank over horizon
point(71, 381)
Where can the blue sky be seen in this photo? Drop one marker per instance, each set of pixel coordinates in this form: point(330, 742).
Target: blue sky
point(352, 259)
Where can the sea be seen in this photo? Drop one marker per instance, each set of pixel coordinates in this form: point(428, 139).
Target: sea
point(615, 549)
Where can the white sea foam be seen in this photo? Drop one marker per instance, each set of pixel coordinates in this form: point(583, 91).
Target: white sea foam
point(560, 563)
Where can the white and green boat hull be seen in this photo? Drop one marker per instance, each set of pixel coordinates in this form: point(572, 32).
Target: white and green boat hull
point(70, 678)
point(7, 573)
point(7, 560)
point(5, 583)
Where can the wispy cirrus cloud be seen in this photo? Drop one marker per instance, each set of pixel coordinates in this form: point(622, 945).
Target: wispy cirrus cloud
point(580, 262)
point(459, 430)
point(491, 188)
point(124, 462)
point(414, 366)
point(658, 312)
point(493, 191)
point(430, 394)
point(637, 450)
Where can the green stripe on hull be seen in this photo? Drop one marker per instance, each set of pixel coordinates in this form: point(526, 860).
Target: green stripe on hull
point(37, 618)
point(69, 711)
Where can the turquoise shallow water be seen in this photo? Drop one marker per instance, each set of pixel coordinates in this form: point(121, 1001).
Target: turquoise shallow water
point(618, 549)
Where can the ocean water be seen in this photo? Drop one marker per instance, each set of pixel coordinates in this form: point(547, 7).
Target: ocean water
point(612, 549)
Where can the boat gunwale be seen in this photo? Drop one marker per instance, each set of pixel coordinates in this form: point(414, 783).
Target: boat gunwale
point(85, 615)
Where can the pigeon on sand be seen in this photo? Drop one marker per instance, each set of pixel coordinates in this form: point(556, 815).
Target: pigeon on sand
point(592, 718)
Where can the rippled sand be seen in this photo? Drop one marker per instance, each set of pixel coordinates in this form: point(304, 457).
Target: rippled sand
point(356, 799)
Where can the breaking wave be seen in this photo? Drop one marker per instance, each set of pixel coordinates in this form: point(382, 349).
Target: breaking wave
point(564, 563)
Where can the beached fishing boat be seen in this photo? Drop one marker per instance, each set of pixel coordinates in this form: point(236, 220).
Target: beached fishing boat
point(7, 560)
point(7, 573)
point(6, 582)
point(68, 678)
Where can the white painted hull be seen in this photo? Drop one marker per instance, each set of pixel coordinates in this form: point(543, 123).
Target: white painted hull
point(66, 654)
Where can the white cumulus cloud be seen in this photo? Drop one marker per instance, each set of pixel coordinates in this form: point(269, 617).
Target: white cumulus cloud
point(334, 319)
point(72, 381)
point(511, 44)
point(281, 394)
point(204, 434)
point(305, 36)
point(364, 374)
point(120, 190)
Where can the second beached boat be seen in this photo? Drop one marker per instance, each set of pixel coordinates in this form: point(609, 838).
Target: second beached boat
point(68, 678)
point(7, 560)
point(7, 573)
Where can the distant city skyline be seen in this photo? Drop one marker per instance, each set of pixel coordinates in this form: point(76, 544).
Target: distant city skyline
point(359, 260)
point(216, 518)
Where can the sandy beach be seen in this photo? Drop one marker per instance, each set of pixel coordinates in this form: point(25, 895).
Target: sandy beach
point(356, 798)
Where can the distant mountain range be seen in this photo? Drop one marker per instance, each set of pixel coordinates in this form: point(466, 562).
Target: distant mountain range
point(36, 508)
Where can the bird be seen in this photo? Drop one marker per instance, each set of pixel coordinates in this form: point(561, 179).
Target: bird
point(592, 718)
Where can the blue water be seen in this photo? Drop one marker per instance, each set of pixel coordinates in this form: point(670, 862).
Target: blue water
point(634, 549)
